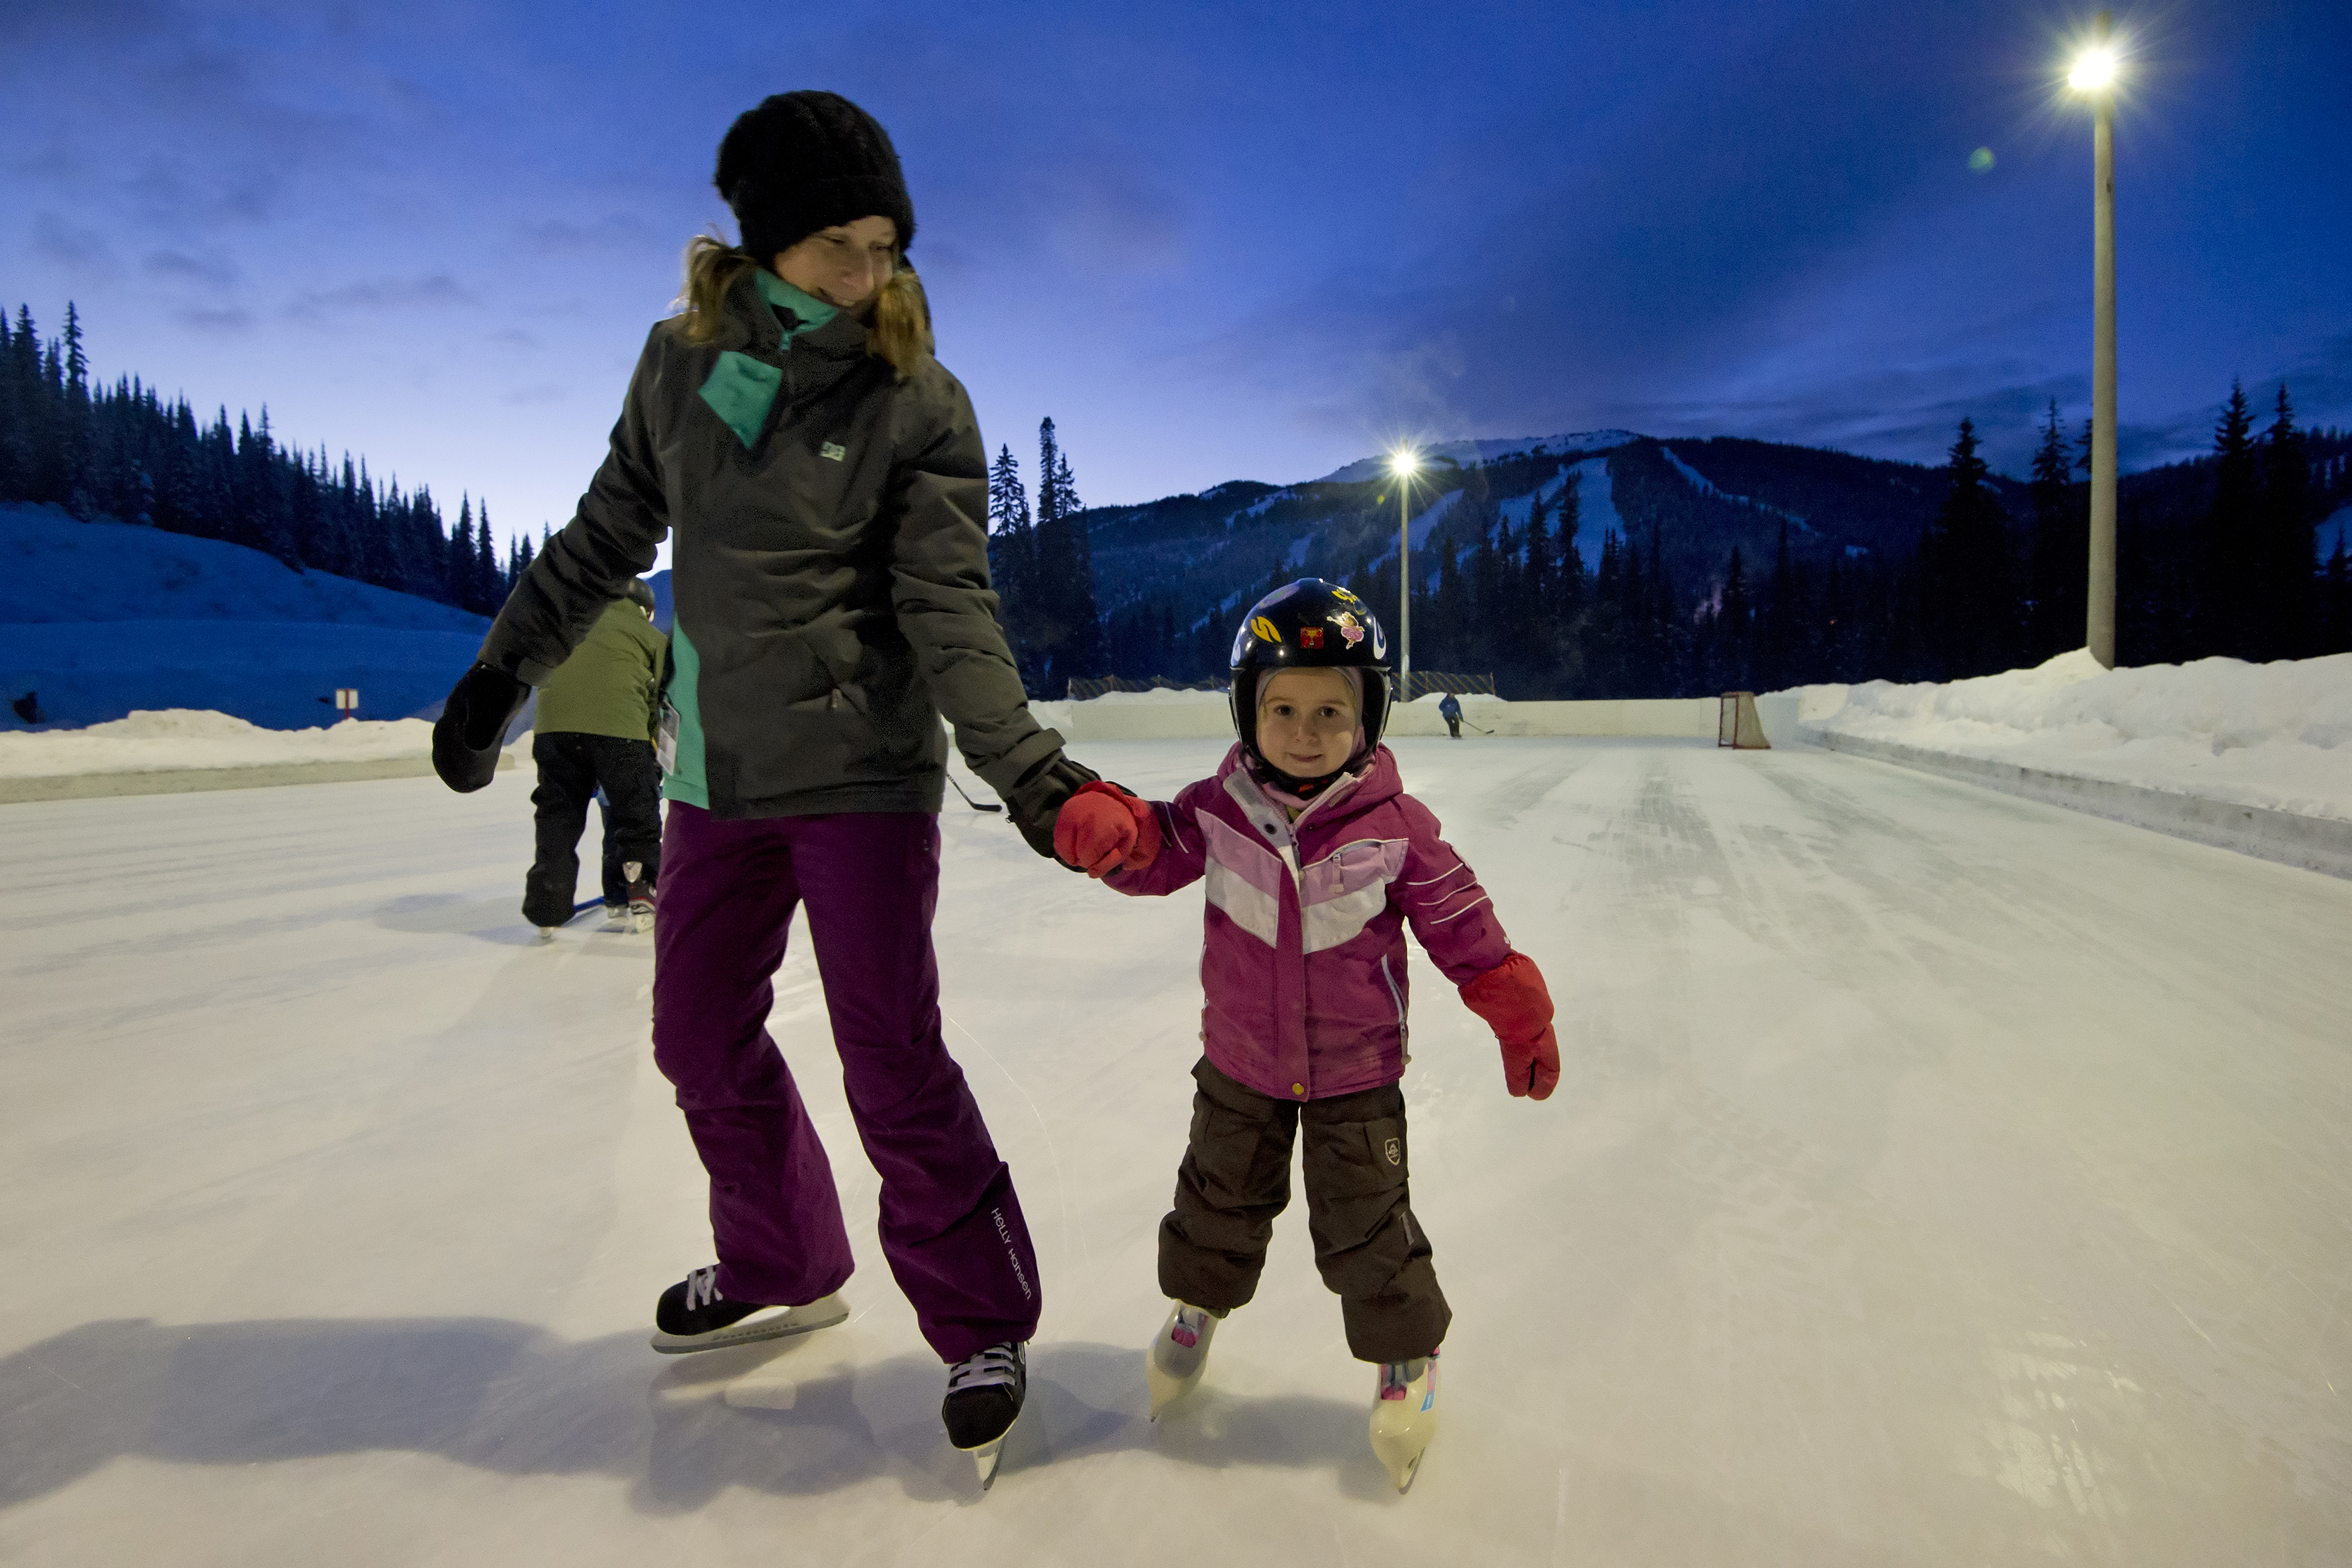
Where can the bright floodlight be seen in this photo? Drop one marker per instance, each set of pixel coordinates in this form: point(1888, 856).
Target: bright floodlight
point(2094, 71)
point(1404, 462)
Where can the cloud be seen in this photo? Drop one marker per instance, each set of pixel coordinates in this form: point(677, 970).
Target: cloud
point(615, 232)
point(436, 292)
point(82, 249)
point(223, 322)
point(215, 271)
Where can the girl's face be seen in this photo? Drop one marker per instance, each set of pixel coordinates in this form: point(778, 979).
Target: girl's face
point(844, 266)
point(1306, 721)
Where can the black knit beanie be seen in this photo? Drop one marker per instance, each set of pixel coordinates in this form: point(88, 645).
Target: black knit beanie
point(806, 161)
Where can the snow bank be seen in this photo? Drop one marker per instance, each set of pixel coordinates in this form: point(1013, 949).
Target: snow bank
point(2278, 737)
point(182, 738)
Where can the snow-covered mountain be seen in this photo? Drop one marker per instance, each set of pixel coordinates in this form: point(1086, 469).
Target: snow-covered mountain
point(1695, 500)
point(1467, 453)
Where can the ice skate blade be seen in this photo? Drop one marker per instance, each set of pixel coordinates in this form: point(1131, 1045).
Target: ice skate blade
point(1167, 1390)
point(821, 1314)
point(547, 933)
point(985, 1458)
point(1404, 1482)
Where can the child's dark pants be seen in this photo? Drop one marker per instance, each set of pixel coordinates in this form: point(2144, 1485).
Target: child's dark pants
point(1236, 1177)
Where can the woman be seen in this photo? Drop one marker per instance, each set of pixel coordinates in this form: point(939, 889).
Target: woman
point(827, 484)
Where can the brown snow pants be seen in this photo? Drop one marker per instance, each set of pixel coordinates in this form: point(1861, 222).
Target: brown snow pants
point(1235, 1178)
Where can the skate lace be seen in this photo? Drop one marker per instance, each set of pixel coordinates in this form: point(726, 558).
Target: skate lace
point(1191, 1324)
point(999, 1364)
point(1396, 1376)
point(702, 1288)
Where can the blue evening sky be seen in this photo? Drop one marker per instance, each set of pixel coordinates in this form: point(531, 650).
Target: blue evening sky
point(1212, 242)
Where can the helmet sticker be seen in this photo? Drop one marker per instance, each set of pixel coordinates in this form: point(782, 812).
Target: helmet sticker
point(1349, 629)
point(1264, 629)
point(1310, 636)
point(1344, 597)
point(1279, 594)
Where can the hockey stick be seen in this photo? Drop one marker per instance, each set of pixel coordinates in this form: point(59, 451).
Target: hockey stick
point(971, 802)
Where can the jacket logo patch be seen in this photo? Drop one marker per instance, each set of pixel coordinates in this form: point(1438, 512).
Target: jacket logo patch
point(1394, 1150)
point(834, 451)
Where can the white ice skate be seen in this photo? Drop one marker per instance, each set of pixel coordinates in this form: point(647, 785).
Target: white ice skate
point(1404, 1416)
point(547, 933)
point(692, 1315)
point(1179, 1356)
point(617, 917)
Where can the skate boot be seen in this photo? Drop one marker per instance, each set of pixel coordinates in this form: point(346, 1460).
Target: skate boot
point(693, 1315)
point(1404, 1416)
point(1179, 1356)
point(984, 1395)
point(641, 896)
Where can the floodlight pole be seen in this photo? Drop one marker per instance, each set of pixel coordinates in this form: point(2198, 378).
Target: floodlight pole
point(2099, 632)
point(1404, 588)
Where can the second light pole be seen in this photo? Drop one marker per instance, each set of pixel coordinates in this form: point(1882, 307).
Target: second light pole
point(1402, 465)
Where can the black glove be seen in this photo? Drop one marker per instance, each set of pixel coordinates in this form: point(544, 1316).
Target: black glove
point(473, 722)
point(1037, 799)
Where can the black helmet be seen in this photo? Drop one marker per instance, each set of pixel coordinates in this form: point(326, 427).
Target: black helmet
point(1309, 625)
point(640, 593)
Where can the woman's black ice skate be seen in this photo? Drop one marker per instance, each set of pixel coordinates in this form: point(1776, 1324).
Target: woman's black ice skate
point(693, 1315)
point(984, 1395)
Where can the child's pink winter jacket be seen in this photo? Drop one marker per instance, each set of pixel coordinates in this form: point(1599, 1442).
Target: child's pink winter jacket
point(1303, 965)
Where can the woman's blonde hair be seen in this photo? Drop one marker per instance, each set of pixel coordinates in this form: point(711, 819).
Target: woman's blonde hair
point(898, 329)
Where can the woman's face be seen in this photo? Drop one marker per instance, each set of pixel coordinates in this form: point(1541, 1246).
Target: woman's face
point(844, 266)
point(1306, 721)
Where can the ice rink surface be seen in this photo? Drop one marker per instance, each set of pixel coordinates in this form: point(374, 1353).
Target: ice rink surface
point(1935, 1177)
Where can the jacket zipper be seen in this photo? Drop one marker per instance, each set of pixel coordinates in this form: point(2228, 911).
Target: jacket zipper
point(1404, 1034)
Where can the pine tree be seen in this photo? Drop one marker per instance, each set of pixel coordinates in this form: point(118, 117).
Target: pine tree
point(2225, 588)
point(2280, 625)
point(1013, 567)
point(1068, 631)
point(1968, 607)
point(493, 582)
point(2062, 549)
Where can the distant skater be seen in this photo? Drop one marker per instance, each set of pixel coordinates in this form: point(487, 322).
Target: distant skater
point(1449, 709)
point(595, 731)
point(824, 484)
point(1316, 860)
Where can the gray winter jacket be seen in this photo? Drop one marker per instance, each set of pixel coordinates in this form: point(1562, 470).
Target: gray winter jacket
point(829, 578)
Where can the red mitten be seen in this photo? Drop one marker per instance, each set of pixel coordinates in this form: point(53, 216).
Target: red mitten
point(1513, 1000)
point(1103, 828)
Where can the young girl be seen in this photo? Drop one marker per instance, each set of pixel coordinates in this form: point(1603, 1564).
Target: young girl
point(825, 485)
point(1315, 859)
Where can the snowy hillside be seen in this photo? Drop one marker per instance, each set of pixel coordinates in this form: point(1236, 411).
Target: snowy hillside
point(2277, 735)
point(55, 568)
point(1468, 453)
point(102, 619)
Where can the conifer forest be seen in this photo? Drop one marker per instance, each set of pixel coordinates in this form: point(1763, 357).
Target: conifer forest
point(124, 453)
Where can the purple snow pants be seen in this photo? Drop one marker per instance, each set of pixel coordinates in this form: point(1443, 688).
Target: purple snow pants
point(951, 1227)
